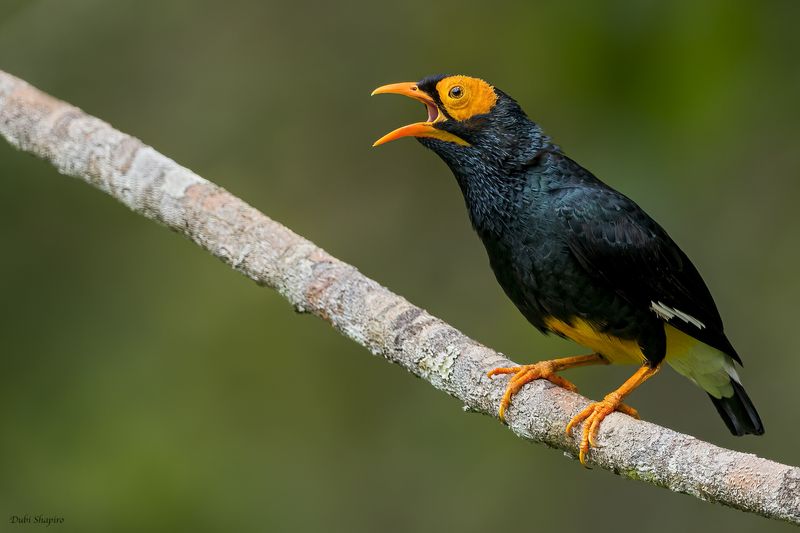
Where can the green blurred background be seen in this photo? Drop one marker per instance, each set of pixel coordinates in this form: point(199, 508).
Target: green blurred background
point(146, 386)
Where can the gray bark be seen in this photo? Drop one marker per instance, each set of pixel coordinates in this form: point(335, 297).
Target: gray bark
point(386, 324)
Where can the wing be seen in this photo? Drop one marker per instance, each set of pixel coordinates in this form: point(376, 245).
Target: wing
point(615, 241)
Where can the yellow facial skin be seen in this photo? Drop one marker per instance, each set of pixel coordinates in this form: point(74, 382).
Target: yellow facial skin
point(464, 97)
point(461, 97)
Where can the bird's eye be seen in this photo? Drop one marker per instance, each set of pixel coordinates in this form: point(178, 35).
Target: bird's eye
point(456, 92)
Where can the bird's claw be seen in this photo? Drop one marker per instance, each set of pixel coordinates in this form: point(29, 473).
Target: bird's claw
point(592, 416)
point(525, 374)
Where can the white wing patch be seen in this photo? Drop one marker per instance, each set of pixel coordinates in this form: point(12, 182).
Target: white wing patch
point(668, 313)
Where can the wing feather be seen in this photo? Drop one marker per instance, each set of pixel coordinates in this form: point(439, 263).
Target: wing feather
point(615, 241)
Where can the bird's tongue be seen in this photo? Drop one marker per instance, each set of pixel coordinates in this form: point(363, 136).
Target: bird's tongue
point(433, 112)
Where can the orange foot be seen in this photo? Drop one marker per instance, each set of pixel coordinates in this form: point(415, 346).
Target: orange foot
point(525, 374)
point(593, 415)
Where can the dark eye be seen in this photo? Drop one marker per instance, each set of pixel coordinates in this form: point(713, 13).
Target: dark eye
point(456, 92)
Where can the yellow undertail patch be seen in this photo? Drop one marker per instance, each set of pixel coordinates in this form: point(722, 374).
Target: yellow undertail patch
point(711, 369)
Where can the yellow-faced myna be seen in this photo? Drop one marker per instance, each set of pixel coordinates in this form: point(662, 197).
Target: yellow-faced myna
point(577, 258)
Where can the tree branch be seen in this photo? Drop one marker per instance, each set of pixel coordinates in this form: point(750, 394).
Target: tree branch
point(386, 324)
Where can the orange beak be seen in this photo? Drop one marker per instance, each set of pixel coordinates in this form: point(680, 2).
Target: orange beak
point(418, 129)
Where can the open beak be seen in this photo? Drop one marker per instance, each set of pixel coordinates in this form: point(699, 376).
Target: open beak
point(418, 129)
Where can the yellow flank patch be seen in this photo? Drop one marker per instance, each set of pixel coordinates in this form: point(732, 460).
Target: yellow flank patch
point(616, 350)
point(464, 97)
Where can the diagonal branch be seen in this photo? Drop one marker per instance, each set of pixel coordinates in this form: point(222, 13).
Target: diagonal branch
point(386, 324)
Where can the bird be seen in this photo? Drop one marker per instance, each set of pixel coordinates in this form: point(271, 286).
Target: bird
point(578, 258)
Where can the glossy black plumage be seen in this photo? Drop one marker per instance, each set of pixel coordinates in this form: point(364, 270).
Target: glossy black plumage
point(564, 245)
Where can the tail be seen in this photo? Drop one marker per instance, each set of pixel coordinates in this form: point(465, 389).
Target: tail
point(738, 412)
point(714, 372)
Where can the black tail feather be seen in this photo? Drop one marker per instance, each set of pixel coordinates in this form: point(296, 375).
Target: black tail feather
point(738, 412)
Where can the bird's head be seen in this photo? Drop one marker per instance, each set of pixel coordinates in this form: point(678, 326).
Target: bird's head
point(469, 122)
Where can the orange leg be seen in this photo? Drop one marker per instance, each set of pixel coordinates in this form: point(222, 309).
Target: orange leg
point(595, 412)
point(542, 370)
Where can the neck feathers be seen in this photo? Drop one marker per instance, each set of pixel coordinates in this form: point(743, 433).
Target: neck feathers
point(493, 171)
